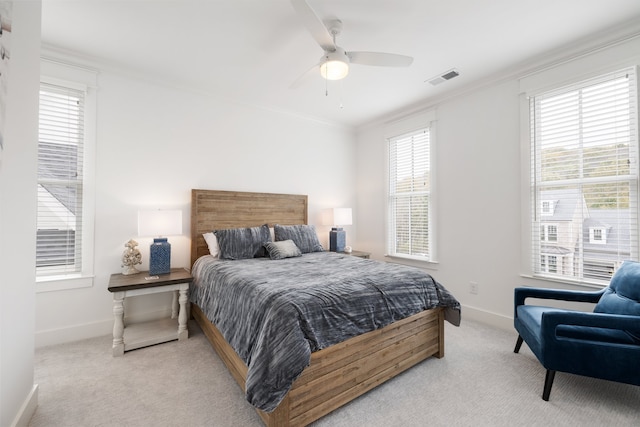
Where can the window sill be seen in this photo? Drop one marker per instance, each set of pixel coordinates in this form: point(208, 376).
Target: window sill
point(413, 261)
point(566, 282)
point(62, 283)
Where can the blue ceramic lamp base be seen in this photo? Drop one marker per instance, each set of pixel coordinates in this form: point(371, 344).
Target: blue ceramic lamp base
point(337, 239)
point(160, 257)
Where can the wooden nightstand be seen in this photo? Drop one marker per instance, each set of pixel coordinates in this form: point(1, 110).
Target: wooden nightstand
point(149, 333)
point(360, 254)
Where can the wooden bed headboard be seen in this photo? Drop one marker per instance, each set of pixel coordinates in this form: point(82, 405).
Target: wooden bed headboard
point(212, 209)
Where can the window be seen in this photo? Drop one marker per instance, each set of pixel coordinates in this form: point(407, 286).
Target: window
point(410, 196)
point(60, 179)
point(598, 236)
point(549, 263)
point(64, 238)
point(547, 207)
point(549, 233)
point(584, 152)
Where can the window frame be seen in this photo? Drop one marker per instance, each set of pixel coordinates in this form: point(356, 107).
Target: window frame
point(402, 128)
point(532, 201)
point(83, 79)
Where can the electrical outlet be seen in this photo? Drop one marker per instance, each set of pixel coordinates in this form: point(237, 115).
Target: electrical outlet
point(473, 288)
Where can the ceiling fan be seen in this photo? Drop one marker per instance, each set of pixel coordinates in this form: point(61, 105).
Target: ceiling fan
point(334, 63)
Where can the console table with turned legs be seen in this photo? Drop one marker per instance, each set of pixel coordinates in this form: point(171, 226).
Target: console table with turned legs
point(137, 335)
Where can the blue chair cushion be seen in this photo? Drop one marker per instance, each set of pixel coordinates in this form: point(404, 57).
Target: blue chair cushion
point(623, 294)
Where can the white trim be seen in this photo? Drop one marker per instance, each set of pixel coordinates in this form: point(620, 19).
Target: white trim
point(584, 67)
point(565, 281)
point(61, 283)
point(569, 75)
point(397, 129)
point(95, 329)
point(487, 317)
point(67, 72)
point(409, 124)
point(81, 78)
point(414, 261)
point(27, 409)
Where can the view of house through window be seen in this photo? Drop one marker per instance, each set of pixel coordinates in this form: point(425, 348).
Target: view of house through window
point(585, 178)
point(60, 181)
point(410, 195)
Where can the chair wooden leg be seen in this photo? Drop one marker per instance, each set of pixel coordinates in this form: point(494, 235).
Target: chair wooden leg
point(518, 344)
point(548, 382)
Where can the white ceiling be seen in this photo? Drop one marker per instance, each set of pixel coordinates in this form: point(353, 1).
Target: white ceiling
point(251, 51)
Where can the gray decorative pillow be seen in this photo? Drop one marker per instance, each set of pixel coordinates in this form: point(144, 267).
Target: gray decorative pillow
point(304, 236)
point(282, 250)
point(243, 243)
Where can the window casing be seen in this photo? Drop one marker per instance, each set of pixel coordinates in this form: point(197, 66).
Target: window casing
point(410, 202)
point(60, 181)
point(66, 156)
point(584, 178)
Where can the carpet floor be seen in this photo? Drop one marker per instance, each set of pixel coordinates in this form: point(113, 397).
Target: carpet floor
point(479, 382)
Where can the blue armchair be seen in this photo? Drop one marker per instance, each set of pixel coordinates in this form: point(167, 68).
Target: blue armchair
point(604, 344)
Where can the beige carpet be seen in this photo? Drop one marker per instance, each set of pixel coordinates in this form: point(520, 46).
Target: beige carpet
point(480, 382)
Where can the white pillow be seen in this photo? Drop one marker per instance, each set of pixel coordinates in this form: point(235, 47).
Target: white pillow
point(212, 242)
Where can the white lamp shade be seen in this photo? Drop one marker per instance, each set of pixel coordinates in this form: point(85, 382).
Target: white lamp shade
point(334, 70)
point(340, 216)
point(334, 65)
point(159, 223)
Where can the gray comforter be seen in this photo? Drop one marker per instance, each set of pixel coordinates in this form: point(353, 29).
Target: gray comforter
point(275, 313)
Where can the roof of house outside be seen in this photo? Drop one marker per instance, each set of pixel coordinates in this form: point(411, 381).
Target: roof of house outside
point(566, 203)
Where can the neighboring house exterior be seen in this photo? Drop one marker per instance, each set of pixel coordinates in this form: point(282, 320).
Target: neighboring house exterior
point(578, 241)
point(606, 241)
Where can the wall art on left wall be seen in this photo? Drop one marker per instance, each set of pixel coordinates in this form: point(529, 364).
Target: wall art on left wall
point(6, 8)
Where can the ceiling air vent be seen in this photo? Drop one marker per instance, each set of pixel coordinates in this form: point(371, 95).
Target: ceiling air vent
point(447, 75)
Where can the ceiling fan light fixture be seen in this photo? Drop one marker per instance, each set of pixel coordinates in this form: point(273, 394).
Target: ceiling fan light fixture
point(334, 65)
point(334, 70)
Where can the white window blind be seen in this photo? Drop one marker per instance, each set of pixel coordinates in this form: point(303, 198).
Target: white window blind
point(585, 160)
point(410, 196)
point(60, 181)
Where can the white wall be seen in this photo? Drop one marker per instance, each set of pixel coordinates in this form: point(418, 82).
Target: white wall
point(154, 144)
point(479, 182)
point(18, 395)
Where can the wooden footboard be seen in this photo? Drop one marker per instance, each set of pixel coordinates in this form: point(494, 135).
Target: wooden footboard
point(342, 372)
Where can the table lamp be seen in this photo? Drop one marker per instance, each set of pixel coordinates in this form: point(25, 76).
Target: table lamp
point(337, 236)
point(159, 223)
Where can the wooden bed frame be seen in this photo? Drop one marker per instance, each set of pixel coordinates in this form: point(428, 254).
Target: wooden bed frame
point(337, 374)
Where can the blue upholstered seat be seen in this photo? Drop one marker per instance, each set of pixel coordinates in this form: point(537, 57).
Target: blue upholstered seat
point(604, 344)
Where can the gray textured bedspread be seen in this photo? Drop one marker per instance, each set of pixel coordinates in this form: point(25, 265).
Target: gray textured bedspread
point(275, 313)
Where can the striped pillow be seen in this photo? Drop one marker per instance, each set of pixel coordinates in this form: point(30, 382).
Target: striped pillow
point(304, 236)
point(282, 250)
point(243, 243)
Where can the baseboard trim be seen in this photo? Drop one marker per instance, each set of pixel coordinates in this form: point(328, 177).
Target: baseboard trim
point(488, 317)
point(92, 329)
point(27, 409)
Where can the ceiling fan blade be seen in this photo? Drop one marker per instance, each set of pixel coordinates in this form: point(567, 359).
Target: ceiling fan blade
point(314, 24)
point(306, 77)
point(379, 58)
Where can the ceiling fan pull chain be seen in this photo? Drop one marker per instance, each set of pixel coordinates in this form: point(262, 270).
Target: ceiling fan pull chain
point(326, 87)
